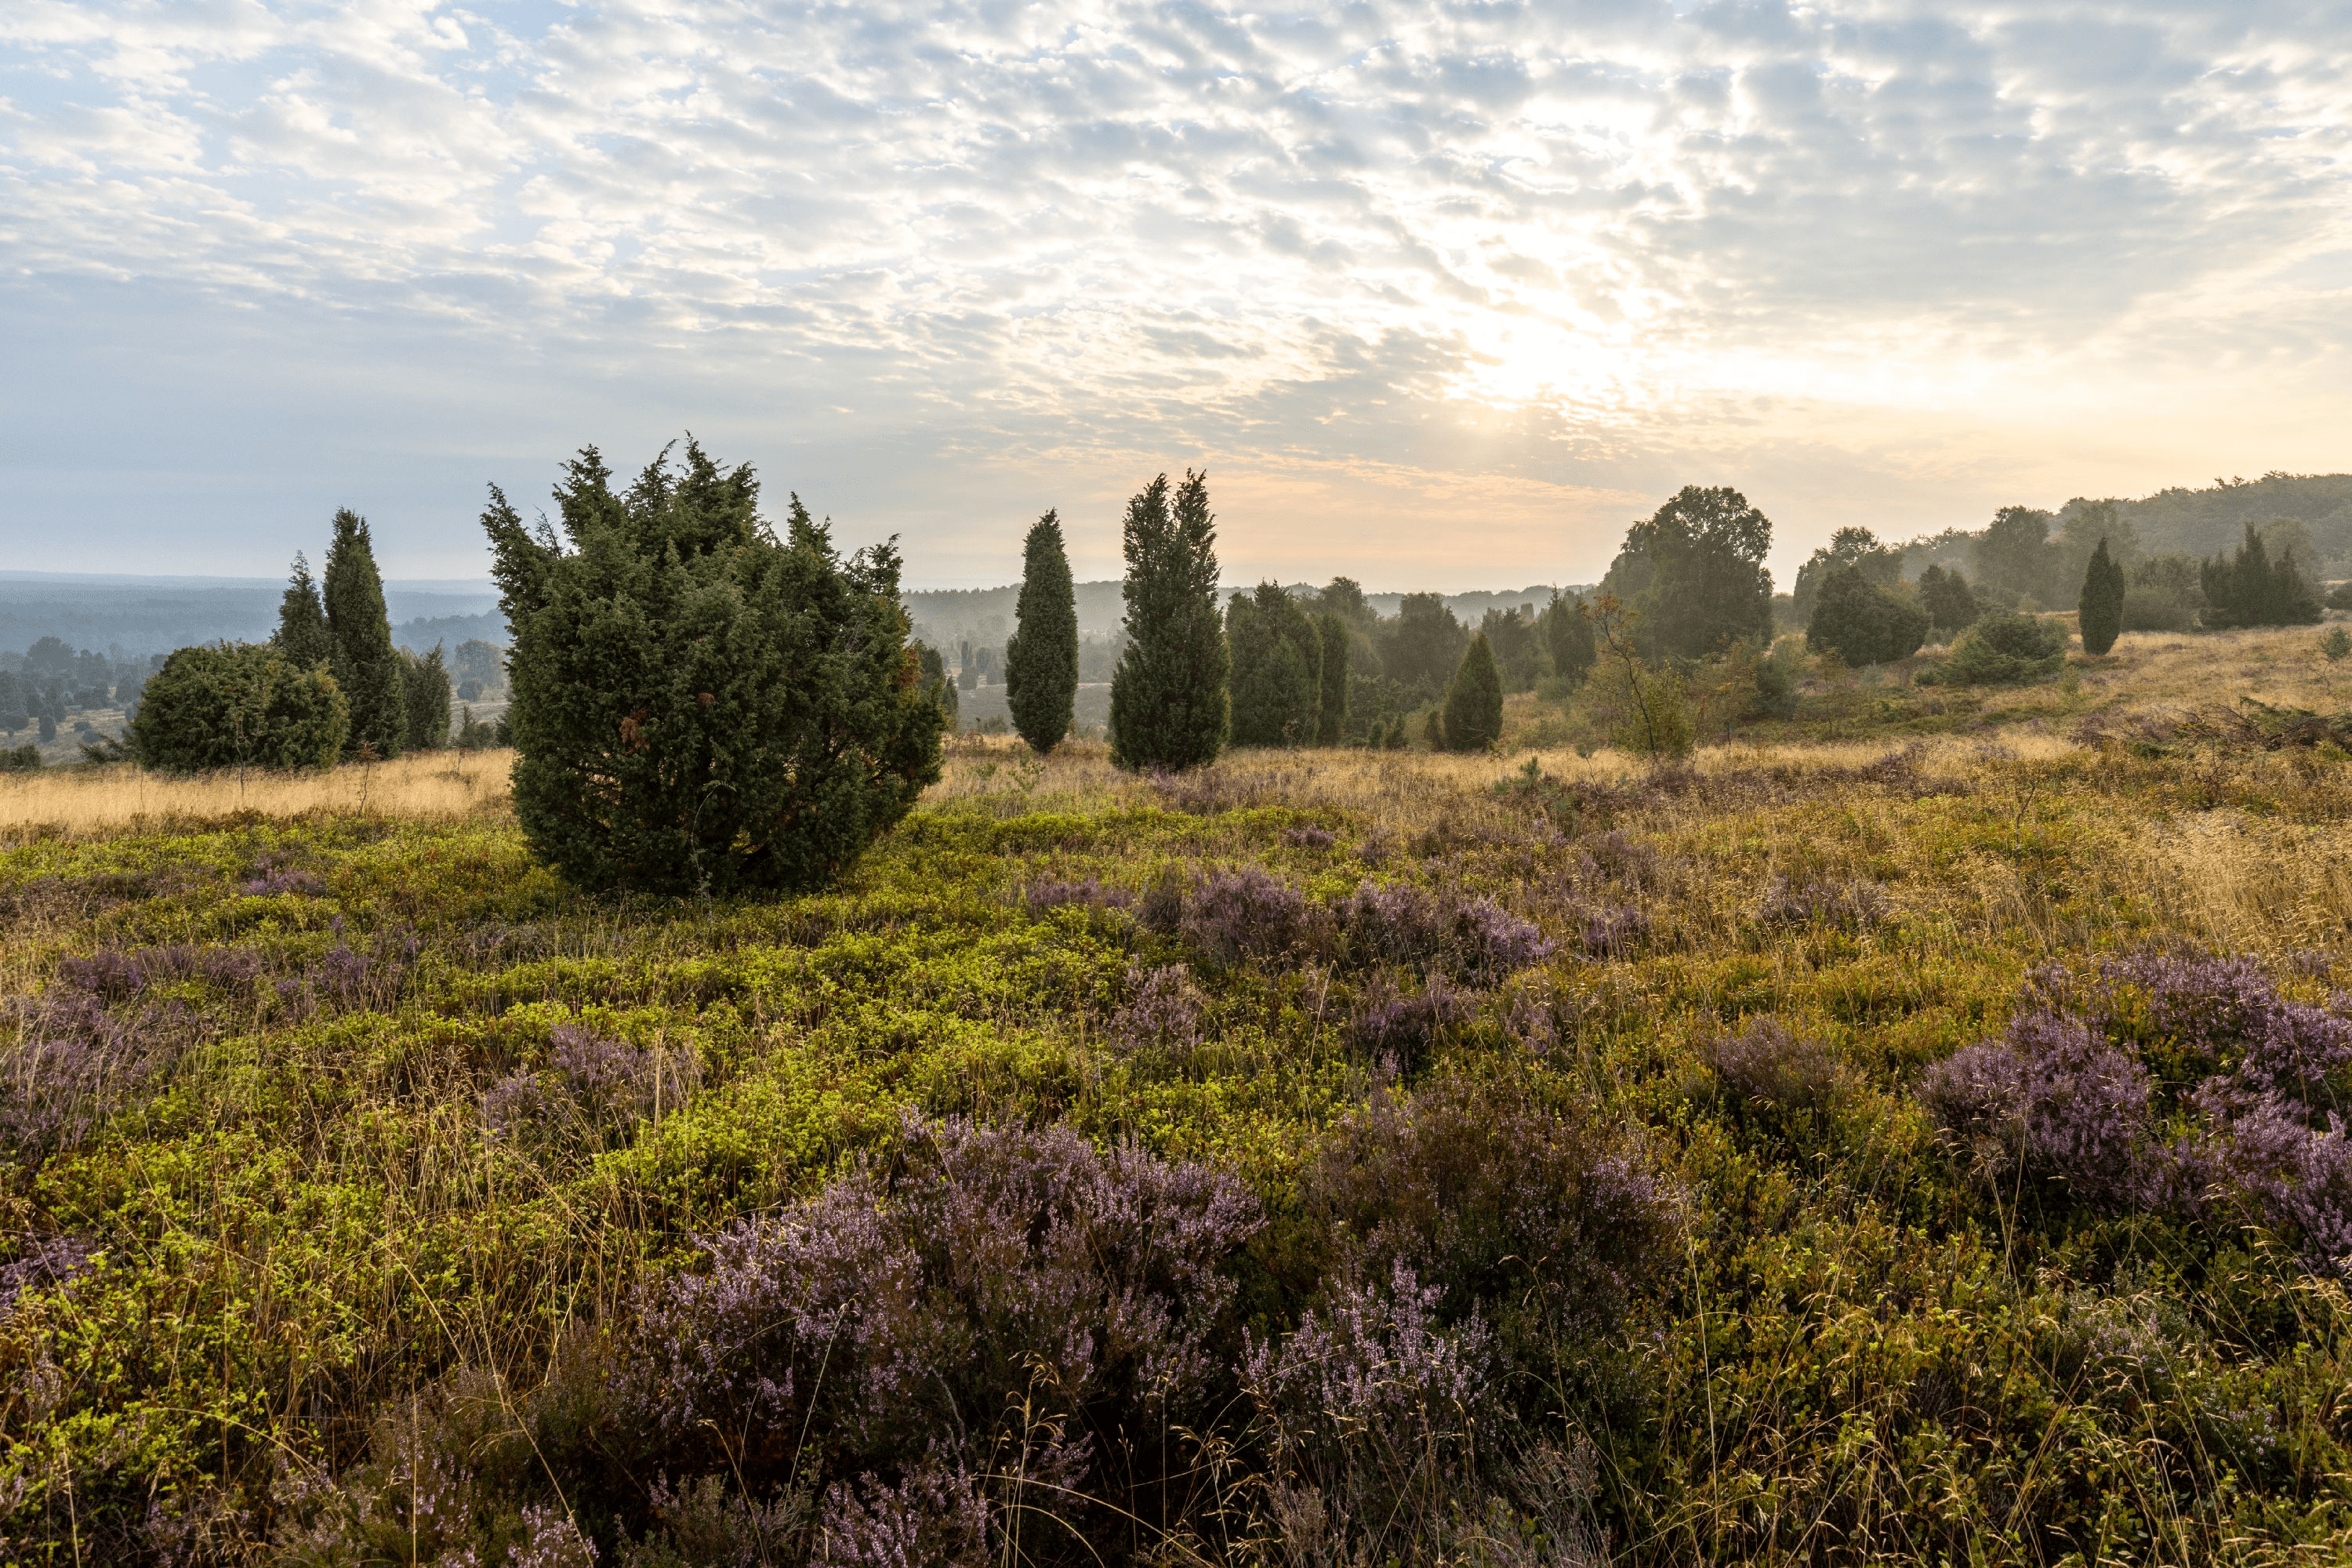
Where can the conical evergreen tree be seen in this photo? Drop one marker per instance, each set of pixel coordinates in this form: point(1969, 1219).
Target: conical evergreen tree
point(1474, 703)
point(1277, 658)
point(1041, 658)
point(365, 664)
point(425, 687)
point(1167, 701)
point(301, 638)
point(1331, 720)
point(2102, 602)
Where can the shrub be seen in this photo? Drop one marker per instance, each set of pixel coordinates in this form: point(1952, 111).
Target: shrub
point(1474, 939)
point(1163, 1010)
point(2005, 648)
point(1473, 702)
point(1950, 604)
point(233, 705)
point(1768, 1066)
point(920, 1307)
point(425, 693)
point(1613, 933)
point(2249, 589)
point(598, 1084)
point(1233, 915)
point(1542, 1222)
point(2156, 610)
point(1168, 697)
point(1277, 664)
point(1049, 894)
point(1864, 623)
point(2337, 643)
point(1041, 658)
point(1816, 901)
point(1402, 1026)
point(2101, 604)
point(699, 706)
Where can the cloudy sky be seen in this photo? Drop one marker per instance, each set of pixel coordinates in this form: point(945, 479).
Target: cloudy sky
point(1441, 296)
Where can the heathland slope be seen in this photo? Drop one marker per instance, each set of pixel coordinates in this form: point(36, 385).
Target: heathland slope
point(1909, 1146)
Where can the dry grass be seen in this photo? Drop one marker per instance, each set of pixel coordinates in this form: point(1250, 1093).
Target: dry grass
point(78, 802)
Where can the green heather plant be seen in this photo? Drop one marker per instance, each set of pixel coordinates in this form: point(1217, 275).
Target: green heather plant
point(1168, 707)
point(238, 705)
point(1473, 702)
point(1041, 659)
point(2102, 602)
point(701, 706)
point(365, 664)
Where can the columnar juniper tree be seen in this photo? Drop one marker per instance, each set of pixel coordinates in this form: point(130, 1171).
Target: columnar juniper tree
point(2102, 603)
point(1568, 634)
point(1168, 702)
point(1331, 716)
point(1474, 703)
point(701, 706)
point(363, 662)
point(301, 638)
point(424, 685)
point(1277, 659)
point(1041, 659)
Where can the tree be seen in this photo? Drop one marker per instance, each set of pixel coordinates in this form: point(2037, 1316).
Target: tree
point(1865, 623)
point(481, 662)
point(1856, 547)
point(1693, 574)
point(1041, 659)
point(1473, 702)
point(1278, 669)
point(1567, 633)
point(365, 666)
point(238, 705)
point(1168, 697)
point(701, 706)
point(1516, 645)
point(2248, 590)
point(1422, 646)
point(2013, 557)
point(302, 636)
point(1653, 715)
point(1331, 713)
point(936, 684)
point(2102, 602)
point(1344, 597)
point(1950, 604)
point(425, 689)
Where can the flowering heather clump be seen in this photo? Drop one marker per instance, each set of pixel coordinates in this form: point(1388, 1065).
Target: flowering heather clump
point(2227, 1012)
point(75, 1064)
point(1375, 1404)
point(1614, 932)
point(272, 878)
point(1403, 1026)
point(1309, 837)
point(935, 1518)
point(118, 976)
point(600, 1083)
point(894, 1308)
point(1163, 1010)
point(1767, 1065)
point(1048, 894)
point(1475, 939)
point(42, 1263)
point(353, 978)
point(2055, 1097)
point(1842, 906)
point(1233, 915)
point(1613, 857)
point(1542, 1221)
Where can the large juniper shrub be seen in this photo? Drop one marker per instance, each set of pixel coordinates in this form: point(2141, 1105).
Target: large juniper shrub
point(698, 704)
point(235, 705)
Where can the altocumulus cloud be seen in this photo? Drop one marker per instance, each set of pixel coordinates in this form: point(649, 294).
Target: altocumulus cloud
point(1515, 267)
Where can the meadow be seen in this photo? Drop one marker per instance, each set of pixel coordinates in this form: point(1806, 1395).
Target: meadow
point(1905, 1132)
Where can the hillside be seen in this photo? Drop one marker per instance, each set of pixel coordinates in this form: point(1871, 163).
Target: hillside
point(1885, 1148)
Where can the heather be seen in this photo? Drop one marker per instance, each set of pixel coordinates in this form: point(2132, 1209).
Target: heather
point(1831, 1154)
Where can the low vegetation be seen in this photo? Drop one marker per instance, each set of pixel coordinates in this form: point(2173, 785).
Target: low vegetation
point(1881, 1143)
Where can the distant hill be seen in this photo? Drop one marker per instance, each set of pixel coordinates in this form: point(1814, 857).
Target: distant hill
point(128, 619)
point(2205, 522)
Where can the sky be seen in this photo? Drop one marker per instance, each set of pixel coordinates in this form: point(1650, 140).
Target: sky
point(1439, 295)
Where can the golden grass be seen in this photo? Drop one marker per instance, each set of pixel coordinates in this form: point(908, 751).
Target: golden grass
point(80, 801)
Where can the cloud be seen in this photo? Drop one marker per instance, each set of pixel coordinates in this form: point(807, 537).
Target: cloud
point(1902, 260)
